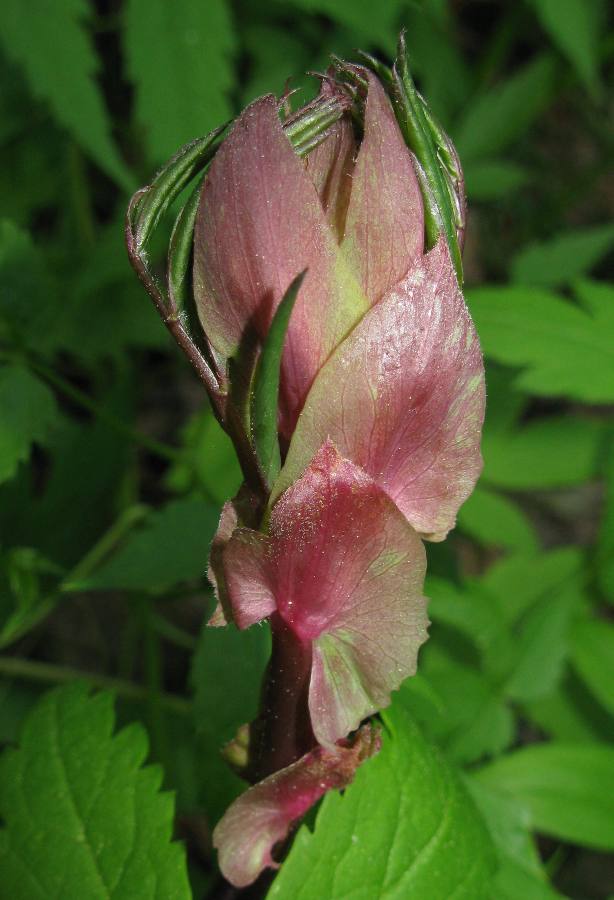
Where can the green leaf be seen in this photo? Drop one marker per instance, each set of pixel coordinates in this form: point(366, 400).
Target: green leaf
point(82, 818)
point(553, 452)
point(574, 26)
point(265, 395)
point(209, 461)
point(571, 714)
point(520, 875)
point(226, 676)
point(27, 411)
point(496, 521)
point(404, 828)
point(27, 307)
point(563, 350)
point(171, 548)
point(605, 541)
point(562, 258)
point(495, 119)
point(477, 722)
point(31, 578)
point(378, 23)
point(593, 658)
point(274, 54)
point(542, 645)
point(489, 179)
point(519, 581)
point(566, 788)
point(179, 58)
point(473, 612)
point(56, 53)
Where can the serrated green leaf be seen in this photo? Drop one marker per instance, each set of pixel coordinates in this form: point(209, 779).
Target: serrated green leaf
point(27, 411)
point(562, 258)
point(27, 295)
point(82, 818)
point(566, 788)
point(553, 452)
point(493, 120)
point(592, 644)
point(170, 548)
point(562, 349)
point(574, 26)
point(489, 179)
point(265, 392)
point(404, 828)
point(496, 521)
point(182, 80)
point(56, 53)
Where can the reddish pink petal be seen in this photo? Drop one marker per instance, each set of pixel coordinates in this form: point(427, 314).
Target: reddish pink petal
point(403, 397)
point(262, 816)
point(242, 510)
point(349, 577)
point(384, 230)
point(330, 167)
point(346, 572)
point(260, 222)
point(247, 577)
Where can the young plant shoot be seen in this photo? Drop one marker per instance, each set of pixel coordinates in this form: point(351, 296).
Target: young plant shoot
point(314, 281)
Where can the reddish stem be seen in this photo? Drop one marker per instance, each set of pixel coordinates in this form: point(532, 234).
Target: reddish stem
point(282, 733)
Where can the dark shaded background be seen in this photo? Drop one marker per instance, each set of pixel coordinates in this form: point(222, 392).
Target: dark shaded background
point(113, 470)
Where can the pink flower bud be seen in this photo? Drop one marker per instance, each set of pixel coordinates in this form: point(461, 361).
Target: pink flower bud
point(353, 219)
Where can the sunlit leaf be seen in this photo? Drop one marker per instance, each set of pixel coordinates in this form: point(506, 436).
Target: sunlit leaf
point(561, 349)
point(422, 836)
point(564, 787)
point(563, 257)
point(81, 817)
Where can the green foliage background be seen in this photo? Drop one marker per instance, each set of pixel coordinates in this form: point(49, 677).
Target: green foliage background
point(498, 763)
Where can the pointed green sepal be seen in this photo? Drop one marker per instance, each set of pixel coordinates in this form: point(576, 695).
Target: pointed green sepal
point(265, 394)
point(439, 168)
point(149, 204)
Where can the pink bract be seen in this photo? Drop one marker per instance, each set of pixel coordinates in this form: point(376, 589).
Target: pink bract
point(403, 397)
point(265, 215)
point(345, 571)
point(262, 816)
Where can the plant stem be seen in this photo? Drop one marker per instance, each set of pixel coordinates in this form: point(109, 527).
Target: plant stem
point(282, 733)
point(31, 670)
